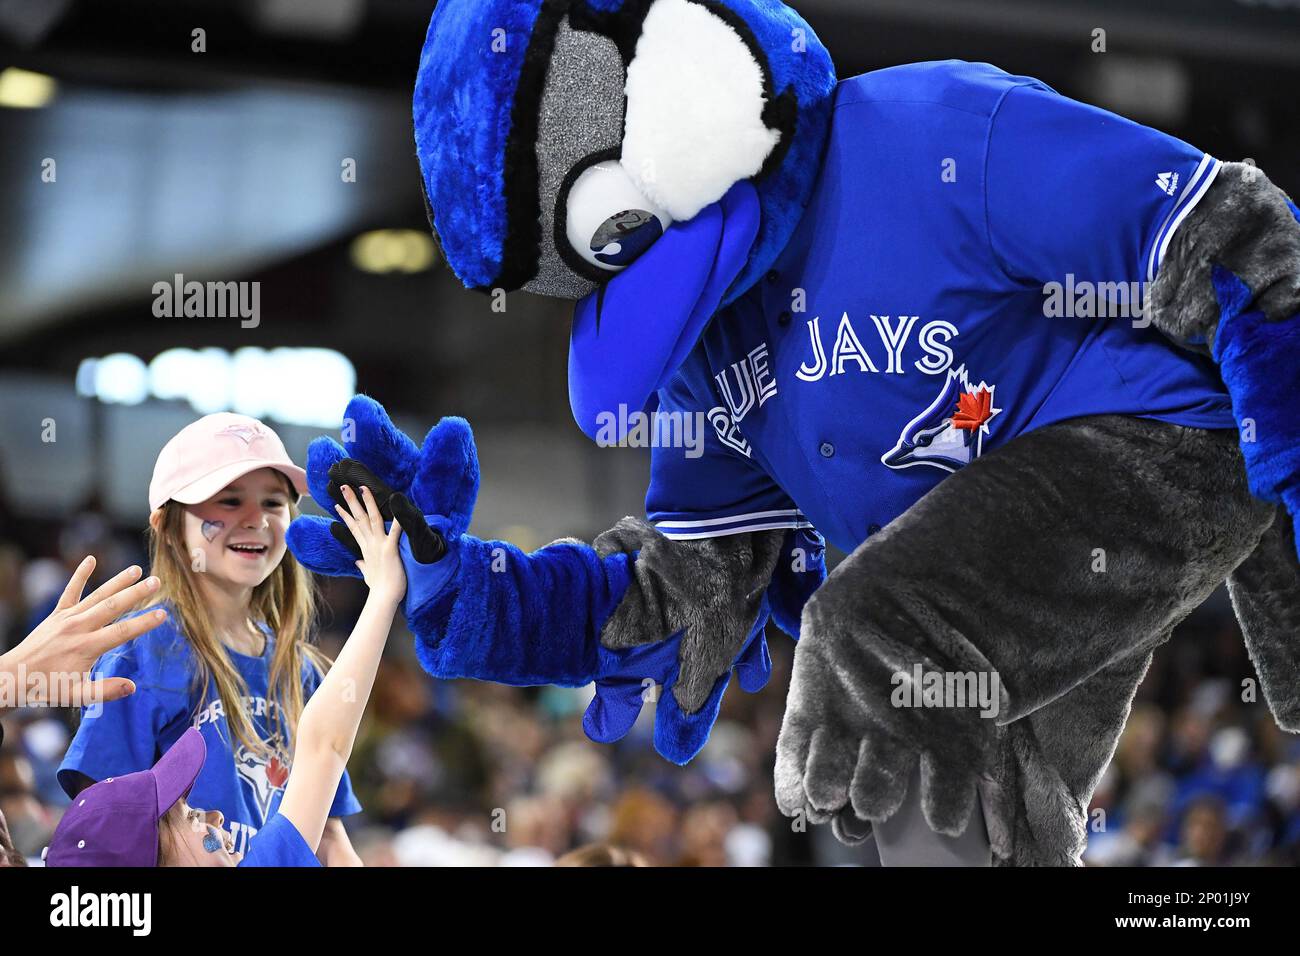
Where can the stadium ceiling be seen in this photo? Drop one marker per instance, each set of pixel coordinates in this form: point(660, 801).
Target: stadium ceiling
point(376, 42)
point(285, 82)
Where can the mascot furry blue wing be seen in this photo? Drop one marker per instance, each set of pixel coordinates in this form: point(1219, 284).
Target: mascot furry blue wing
point(486, 610)
point(805, 264)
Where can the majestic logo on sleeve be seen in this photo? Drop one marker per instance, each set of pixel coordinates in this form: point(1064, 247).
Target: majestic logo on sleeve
point(950, 432)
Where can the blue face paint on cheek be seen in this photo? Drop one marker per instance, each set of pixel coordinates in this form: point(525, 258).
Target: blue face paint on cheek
point(212, 843)
point(212, 528)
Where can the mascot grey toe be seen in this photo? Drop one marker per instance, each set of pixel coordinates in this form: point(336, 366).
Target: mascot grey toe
point(910, 307)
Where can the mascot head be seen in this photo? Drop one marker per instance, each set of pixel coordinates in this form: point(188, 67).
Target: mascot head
point(650, 158)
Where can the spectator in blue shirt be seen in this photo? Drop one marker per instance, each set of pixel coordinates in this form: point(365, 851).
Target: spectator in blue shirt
point(145, 818)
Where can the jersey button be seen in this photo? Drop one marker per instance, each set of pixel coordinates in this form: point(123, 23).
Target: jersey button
point(773, 277)
point(872, 529)
point(827, 450)
point(784, 319)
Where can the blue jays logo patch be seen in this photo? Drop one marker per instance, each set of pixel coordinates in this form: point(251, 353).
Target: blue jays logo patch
point(263, 776)
point(245, 433)
point(950, 432)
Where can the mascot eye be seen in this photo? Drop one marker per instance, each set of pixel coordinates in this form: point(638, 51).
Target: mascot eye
point(609, 223)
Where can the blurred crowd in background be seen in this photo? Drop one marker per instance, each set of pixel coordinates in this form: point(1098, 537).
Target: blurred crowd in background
point(465, 773)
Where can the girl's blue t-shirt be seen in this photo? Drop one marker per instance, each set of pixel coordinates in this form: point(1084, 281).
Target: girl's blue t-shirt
point(131, 734)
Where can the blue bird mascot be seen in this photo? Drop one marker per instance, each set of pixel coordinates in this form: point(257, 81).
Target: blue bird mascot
point(1032, 366)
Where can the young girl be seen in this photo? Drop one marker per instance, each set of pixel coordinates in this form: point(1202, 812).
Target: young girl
point(234, 658)
point(150, 818)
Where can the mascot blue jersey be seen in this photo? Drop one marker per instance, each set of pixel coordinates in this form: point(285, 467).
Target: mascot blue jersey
point(971, 266)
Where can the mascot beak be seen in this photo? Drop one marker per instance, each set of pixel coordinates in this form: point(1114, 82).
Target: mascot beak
point(630, 336)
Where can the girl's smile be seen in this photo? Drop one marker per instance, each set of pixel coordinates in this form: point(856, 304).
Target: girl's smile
point(250, 551)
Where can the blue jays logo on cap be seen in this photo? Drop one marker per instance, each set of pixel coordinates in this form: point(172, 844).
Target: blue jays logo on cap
point(245, 433)
point(950, 432)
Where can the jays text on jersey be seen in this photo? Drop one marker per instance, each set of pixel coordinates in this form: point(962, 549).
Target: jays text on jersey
point(966, 272)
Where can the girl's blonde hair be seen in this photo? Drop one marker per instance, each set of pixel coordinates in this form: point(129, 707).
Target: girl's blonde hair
point(285, 602)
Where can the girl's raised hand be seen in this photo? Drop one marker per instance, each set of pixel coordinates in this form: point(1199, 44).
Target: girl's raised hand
point(381, 563)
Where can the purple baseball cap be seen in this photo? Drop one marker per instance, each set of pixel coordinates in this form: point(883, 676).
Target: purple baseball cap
point(115, 822)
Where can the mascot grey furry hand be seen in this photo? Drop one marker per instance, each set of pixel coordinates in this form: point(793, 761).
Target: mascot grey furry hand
point(893, 300)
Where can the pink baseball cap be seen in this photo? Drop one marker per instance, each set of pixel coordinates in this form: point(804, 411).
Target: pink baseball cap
point(209, 454)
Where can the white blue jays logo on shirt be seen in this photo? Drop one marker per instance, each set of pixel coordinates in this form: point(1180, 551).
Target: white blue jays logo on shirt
point(950, 432)
point(264, 776)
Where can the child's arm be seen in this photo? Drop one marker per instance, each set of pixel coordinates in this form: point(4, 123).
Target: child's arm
point(328, 726)
point(336, 847)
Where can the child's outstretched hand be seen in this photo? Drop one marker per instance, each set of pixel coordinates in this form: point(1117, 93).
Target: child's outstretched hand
point(381, 563)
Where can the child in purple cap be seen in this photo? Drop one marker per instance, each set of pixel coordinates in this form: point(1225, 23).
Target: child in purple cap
point(144, 818)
